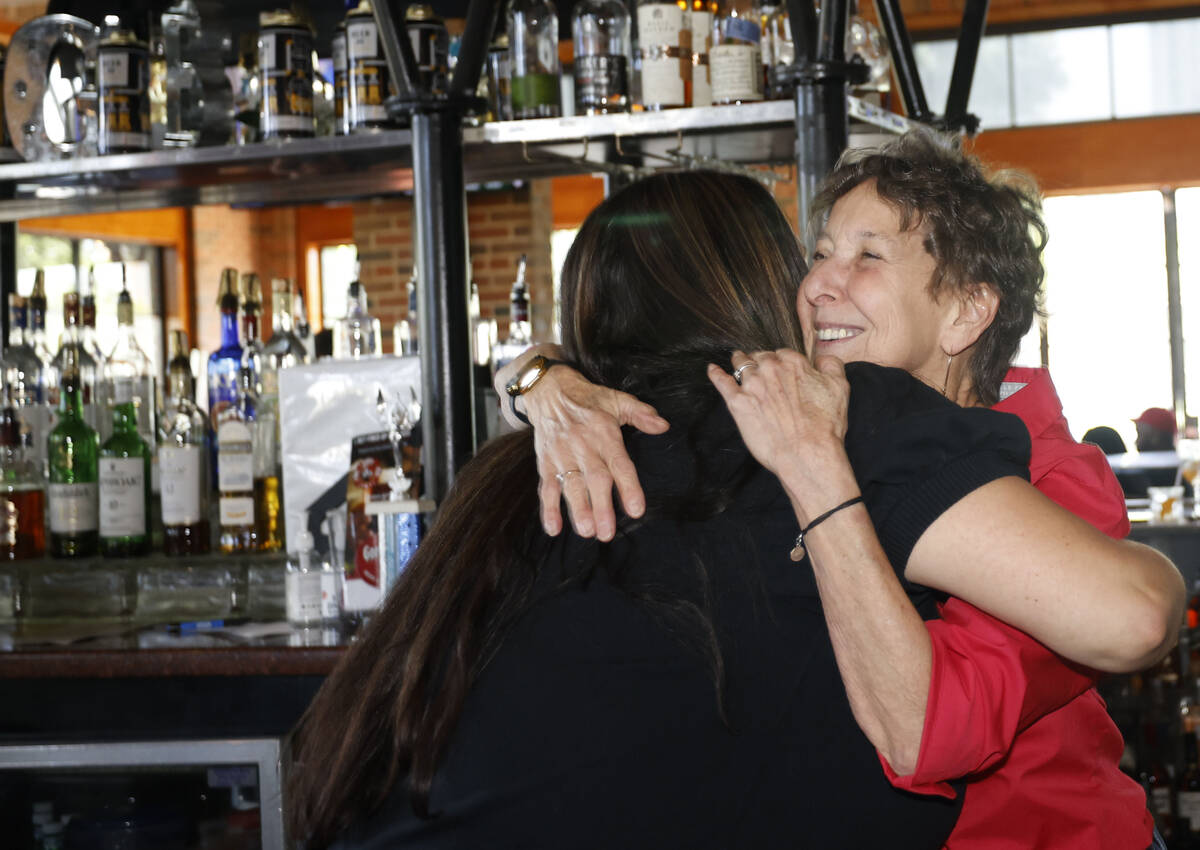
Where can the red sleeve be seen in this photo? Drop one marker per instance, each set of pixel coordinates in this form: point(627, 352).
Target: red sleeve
point(989, 682)
point(1079, 478)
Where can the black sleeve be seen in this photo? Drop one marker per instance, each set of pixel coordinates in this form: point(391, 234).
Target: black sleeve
point(915, 453)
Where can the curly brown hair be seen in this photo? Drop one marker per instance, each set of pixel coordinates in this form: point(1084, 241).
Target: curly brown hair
point(979, 225)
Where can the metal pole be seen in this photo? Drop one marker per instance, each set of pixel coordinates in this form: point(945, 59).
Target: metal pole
point(970, 34)
point(1174, 309)
point(820, 76)
point(8, 275)
point(902, 60)
point(440, 227)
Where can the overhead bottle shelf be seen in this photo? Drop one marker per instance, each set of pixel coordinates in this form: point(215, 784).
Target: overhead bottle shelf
point(380, 163)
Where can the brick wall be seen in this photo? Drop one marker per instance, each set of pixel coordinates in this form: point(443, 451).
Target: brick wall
point(263, 241)
point(501, 226)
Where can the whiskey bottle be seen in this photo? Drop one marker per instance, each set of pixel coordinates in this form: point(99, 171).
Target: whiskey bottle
point(124, 483)
point(602, 50)
point(22, 491)
point(664, 52)
point(735, 59)
point(183, 459)
point(235, 470)
point(73, 448)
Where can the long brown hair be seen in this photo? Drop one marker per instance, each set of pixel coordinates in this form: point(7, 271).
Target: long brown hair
point(669, 274)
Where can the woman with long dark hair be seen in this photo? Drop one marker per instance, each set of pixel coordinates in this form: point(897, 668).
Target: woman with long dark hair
point(674, 688)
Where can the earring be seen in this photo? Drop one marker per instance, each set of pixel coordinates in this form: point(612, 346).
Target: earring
point(946, 381)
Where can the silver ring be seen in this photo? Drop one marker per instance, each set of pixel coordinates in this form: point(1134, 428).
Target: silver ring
point(560, 477)
point(737, 373)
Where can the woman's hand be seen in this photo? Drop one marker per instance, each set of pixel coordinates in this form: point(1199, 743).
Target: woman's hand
point(580, 450)
point(792, 416)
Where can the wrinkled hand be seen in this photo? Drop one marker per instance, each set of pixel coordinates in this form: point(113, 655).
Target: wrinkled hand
point(577, 434)
point(792, 417)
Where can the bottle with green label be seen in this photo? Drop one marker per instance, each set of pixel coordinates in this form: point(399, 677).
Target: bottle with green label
point(124, 485)
point(72, 448)
point(533, 57)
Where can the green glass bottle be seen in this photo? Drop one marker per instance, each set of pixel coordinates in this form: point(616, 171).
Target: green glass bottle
point(73, 448)
point(125, 486)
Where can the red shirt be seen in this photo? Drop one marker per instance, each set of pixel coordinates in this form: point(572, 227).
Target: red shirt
point(1025, 727)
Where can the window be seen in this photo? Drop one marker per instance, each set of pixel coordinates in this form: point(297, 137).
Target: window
point(66, 263)
point(1074, 74)
point(338, 269)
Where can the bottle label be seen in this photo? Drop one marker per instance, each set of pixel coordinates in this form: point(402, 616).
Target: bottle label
point(736, 73)
point(1188, 805)
point(1160, 801)
point(265, 445)
point(303, 594)
point(122, 497)
point(181, 475)
point(237, 511)
point(600, 81)
point(663, 41)
point(331, 601)
point(73, 508)
point(235, 457)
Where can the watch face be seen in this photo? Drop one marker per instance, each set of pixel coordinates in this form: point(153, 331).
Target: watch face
point(528, 376)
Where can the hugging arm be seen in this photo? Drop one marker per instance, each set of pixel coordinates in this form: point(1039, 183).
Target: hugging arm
point(577, 426)
point(1026, 556)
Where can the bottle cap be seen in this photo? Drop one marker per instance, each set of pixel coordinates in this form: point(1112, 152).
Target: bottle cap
point(251, 291)
point(39, 285)
point(177, 344)
point(71, 308)
point(124, 308)
point(228, 287)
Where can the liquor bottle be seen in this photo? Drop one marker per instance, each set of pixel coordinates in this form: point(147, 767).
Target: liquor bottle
point(224, 363)
point(664, 52)
point(128, 372)
point(533, 58)
point(251, 340)
point(766, 46)
point(406, 333)
point(87, 310)
point(124, 482)
point(602, 55)
point(367, 77)
point(520, 335)
point(735, 60)
point(1187, 796)
point(35, 335)
point(182, 459)
point(26, 384)
point(22, 489)
point(184, 90)
point(778, 33)
point(701, 24)
point(283, 350)
point(85, 364)
point(73, 448)
point(235, 469)
point(303, 331)
point(357, 335)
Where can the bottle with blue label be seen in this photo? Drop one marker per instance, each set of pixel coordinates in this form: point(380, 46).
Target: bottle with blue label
point(735, 59)
point(224, 363)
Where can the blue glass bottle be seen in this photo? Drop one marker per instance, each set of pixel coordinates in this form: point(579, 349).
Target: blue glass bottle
point(224, 363)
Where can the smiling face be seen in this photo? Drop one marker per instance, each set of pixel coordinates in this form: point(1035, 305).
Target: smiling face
point(867, 294)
